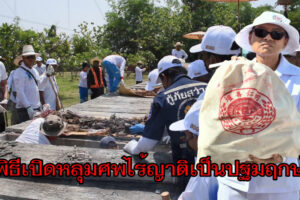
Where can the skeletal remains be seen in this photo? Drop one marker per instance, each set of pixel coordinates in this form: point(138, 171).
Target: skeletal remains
point(78, 125)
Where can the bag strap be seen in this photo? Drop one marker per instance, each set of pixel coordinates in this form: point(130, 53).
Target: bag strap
point(31, 75)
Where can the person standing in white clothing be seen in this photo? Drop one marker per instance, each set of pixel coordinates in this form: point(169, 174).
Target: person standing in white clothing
point(139, 72)
point(27, 80)
point(49, 90)
point(40, 67)
point(179, 52)
point(83, 85)
point(268, 36)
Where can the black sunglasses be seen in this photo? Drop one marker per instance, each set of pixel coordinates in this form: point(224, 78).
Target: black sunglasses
point(275, 35)
point(30, 57)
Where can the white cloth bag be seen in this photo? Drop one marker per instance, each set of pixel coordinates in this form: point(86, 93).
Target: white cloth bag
point(247, 110)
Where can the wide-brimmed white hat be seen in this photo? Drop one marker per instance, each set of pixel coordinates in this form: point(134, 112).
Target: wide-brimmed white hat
point(40, 59)
point(242, 38)
point(217, 40)
point(293, 53)
point(17, 60)
point(168, 62)
point(190, 121)
point(28, 51)
point(197, 69)
point(152, 80)
point(51, 61)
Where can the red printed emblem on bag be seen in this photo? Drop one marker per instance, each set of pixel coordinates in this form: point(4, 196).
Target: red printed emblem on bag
point(246, 111)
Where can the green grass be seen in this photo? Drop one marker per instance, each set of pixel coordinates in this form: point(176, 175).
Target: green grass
point(68, 88)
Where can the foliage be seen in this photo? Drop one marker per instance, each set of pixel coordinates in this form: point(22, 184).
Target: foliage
point(136, 29)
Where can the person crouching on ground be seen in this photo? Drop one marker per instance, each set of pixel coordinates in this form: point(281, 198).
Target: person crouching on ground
point(42, 131)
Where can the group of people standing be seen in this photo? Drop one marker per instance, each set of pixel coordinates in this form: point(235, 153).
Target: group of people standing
point(30, 86)
point(178, 107)
point(103, 75)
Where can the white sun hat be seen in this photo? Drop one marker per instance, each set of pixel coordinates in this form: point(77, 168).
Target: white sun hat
point(293, 53)
point(28, 51)
point(267, 17)
point(51, 61)
point(39, 59)
point(197, 69)
point(217, 40)
point(168, 62)
point(152, 80)
point(190, 121)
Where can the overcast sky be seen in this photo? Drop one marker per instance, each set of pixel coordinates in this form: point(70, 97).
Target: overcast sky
point(65, 14)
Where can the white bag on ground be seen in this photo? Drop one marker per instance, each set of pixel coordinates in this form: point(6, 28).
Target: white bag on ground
point(247, 110)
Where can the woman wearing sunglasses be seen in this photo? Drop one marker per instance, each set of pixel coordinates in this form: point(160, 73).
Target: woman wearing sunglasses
point(269, 36)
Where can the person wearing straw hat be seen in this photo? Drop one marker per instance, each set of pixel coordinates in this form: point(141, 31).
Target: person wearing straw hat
point(27, 81)
point(139, 72)
point(114, 67)
point(39, 66)
point(269, 36)
point(49, 90)
point(179, 52)
point(3, 95)
point(169, 106)
point(96, 78)
point(43, 130)
point(198, 188)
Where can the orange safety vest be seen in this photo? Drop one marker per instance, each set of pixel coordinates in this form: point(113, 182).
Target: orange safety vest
point(96, 85)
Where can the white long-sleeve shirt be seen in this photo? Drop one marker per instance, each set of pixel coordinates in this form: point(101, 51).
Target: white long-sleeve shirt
point(26, 88)
point(48, 92)
point(139, 73)
point(11, 86)
point(117, 60)
point(3, 74)
point(179, 54)
point(32, 133)
point(40, 69)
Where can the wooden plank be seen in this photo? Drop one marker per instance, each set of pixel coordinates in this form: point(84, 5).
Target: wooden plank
point(121, 106)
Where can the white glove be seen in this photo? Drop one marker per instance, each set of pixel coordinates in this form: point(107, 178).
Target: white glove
point(122, 81)
point(89, 91)
point(166, 139)
point(50, 70)
point(130, 146)
point(4, 101)
point(46, 107)
point(30, 112)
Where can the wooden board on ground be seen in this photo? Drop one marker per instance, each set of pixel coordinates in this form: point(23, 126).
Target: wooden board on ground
point(107, 105)
point(140, 86)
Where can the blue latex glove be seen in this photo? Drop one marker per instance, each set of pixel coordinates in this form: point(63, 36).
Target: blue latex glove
point(138, 128)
